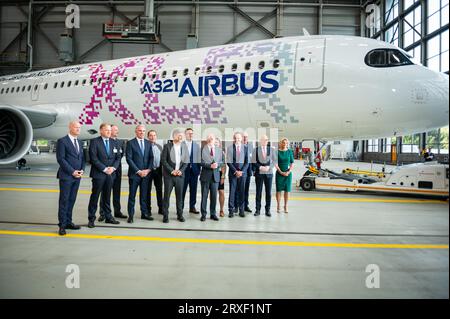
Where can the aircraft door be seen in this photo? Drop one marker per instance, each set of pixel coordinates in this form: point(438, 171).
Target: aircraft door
point(309, 74)
point(35, 90)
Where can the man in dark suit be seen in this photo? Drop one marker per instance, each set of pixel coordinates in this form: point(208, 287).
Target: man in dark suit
point(139, 156)
point(249, 172)
point(155, 176)
point(192, 171)
point(117, 185)
point(105, 160)
point(264, 158)
point(238, 162)
point(174, 160)
point(212, 159)
point(70, 157)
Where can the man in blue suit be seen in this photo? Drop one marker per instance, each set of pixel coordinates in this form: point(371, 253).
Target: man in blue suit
point(70, 157)
point(105, 159)
point(192, 171)
point(238, 162)
point(139, 157)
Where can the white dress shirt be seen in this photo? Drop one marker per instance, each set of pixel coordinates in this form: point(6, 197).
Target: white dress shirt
point(72, 139)
point(177, 148)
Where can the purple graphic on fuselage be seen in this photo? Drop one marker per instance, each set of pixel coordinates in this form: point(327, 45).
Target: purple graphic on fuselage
point(104, 83)
point(205, 110)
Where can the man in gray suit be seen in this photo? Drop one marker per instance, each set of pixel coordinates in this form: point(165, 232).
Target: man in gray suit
point(211, 160)
point(174, 160)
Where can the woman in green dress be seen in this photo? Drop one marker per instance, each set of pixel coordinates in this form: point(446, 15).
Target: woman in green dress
point(283, 179)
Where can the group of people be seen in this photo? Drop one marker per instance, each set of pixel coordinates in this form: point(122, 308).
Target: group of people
point(178, 165)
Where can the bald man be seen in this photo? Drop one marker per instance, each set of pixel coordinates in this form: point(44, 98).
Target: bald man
point(70, 157)
point(139, 157)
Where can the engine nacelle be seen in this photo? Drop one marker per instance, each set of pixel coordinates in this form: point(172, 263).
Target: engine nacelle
point(16, 134)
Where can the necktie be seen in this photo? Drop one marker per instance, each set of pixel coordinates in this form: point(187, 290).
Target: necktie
point(107, 146)
point(75, 143)
point(264, 153)
point(142, 147)
point(238, 154)
point(212, 152)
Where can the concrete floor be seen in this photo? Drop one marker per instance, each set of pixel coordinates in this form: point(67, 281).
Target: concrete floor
point(252, 257)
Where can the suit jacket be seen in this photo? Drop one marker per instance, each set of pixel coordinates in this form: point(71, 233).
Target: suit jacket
point(68, 159)
point(251, 159)
point(195, 157)
point(208, 173)
point(168, 159)
point(257, 158)
point(100, 159)
point(136, 161)
point(121, 146)
point(237, 164)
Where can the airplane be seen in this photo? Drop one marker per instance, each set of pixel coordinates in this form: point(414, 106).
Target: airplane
point(306, 87)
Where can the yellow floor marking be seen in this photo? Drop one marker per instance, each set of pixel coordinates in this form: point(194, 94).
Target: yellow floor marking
point(324, 199)
point(228, 242)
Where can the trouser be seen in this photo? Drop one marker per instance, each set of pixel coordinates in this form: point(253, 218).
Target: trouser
point(209, 187)
point(266, 181)
point(171, 182)
point(142, 184)
point(68, 190)
point(116, 189)
point(191, 180)
point(247, 188)
point(155, 178)
point(237, 187)
point(101, 186)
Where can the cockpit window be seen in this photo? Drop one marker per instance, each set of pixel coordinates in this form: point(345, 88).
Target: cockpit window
point(385, 58)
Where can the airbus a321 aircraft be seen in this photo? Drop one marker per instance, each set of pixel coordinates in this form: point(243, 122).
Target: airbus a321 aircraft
point(309, 87)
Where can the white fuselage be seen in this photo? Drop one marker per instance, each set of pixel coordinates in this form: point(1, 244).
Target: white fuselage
point(319, 88)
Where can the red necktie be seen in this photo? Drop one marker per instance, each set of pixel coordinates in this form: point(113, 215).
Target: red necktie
point(212, 152)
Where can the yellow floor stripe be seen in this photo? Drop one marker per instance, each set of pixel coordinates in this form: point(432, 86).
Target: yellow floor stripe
point(228, 242)
point(324, 199)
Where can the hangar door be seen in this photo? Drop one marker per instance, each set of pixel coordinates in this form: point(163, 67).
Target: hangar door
point(309, 65)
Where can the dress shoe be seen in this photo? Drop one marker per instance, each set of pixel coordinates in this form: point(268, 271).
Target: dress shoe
point(120, 215)
point(165, 220)
point(181, 219)
point(73, 227)
point(62, 232)
point(147, 217)
point(112, 221)
point(268, 214)
point(91, 225)
point(101, 218)
point(231, 215)
point(160, 212)
point(248, 210)
point(203, 218)
point(257, 213)
point(241, 214)
point(214, 218)
point(130, 220)
point(194, 211)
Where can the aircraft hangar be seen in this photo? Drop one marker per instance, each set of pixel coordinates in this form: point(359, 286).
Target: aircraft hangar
point(368, 210)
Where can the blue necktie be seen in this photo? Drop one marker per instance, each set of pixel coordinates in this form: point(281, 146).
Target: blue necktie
point(107, 146)
point(142, 147)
